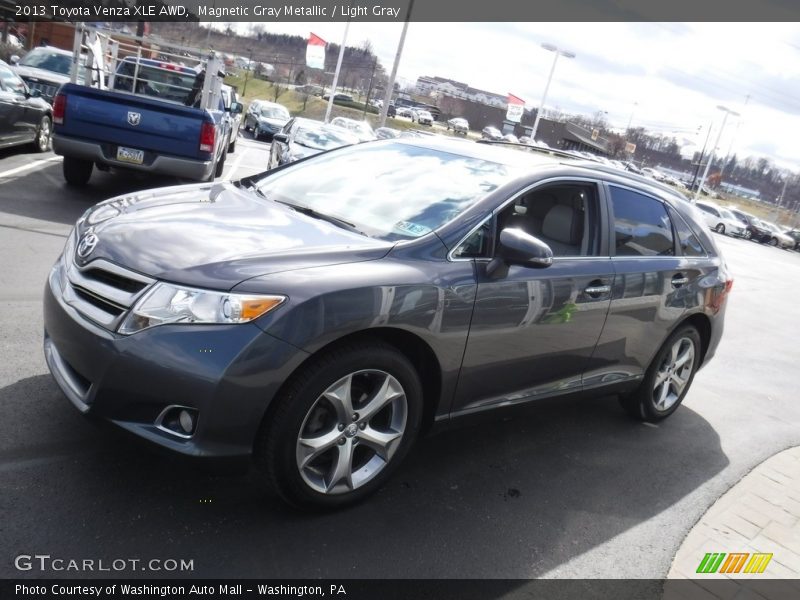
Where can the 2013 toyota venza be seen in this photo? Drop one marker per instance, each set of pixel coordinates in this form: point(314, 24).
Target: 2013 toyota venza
point(318, 316)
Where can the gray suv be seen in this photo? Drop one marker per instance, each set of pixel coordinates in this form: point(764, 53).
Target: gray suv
point(319, 316)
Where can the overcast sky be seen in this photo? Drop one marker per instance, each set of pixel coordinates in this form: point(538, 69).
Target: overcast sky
point(676, 73)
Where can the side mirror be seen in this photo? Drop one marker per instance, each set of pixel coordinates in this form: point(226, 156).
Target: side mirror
point(281, 138)
point(14, 59)
point(516, 247)
point(236, 108)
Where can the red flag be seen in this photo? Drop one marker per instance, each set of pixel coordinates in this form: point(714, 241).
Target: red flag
point(512, 99)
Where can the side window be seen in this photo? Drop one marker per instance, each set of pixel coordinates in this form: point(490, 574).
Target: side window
point(563, 215)
point(641, 224)
point(11, 82)
point(689, 244)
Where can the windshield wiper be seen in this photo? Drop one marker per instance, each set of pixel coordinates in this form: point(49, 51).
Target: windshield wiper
point(310, 212)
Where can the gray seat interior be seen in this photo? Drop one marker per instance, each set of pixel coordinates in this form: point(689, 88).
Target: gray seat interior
point(558, 216)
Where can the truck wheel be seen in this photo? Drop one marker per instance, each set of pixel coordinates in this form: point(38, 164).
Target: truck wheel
point(42, 141)
point(232, 147)
point(220, 166)
point(341, 426)
point(77, 171)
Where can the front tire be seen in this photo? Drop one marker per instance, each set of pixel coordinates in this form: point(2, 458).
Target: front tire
point(668, 378)
point(77, 171)
point(342, 426)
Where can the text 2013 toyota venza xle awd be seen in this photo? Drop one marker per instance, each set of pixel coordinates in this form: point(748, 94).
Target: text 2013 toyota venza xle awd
point(317, 316)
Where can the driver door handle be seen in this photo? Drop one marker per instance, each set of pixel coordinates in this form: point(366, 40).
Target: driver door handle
point(679, 280)
point(597, 288)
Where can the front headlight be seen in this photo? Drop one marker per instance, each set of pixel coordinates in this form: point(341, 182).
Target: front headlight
point(167, 303)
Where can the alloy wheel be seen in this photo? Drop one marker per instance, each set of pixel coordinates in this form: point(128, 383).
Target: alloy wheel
point(352, 431)
point(674, 374)
point(43, 139)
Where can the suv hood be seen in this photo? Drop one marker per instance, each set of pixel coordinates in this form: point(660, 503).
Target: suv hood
point(216, 236)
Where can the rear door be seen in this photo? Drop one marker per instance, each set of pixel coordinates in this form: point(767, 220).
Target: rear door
point(654, 287)
point(13, 128)
point(534, 330)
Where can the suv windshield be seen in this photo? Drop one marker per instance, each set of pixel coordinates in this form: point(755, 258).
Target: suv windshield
point(398, 191)
point(47, 59)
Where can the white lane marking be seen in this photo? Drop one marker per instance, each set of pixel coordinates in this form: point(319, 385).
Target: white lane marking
point(33, 165)
point(229, 175)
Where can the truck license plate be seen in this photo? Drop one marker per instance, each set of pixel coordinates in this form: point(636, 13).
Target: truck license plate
point(130, 155)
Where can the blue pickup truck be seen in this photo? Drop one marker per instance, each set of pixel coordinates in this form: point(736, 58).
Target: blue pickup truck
point(149, 120)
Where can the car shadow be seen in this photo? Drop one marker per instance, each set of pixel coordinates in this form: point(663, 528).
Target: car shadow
point(513, 495)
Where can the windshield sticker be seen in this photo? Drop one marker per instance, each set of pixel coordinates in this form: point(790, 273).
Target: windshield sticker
point(412, 228)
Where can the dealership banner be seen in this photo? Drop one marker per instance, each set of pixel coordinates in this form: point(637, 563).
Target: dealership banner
point(315, 52)
point(516, 108)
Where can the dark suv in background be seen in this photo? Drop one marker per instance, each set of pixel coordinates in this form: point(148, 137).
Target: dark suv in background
point(318, 316)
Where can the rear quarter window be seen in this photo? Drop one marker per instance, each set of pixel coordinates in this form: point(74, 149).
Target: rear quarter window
point(688, 242)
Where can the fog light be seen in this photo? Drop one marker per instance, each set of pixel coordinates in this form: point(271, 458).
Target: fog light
point(186, 421)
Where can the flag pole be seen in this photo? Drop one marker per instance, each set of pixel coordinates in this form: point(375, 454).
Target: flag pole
point(336, 74)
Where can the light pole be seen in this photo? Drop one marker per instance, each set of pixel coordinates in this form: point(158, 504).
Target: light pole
point(633, 110)
point(558, 53)
point(727, 112)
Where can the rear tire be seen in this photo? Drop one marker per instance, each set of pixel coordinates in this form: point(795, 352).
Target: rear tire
point(220, 165)
point(382, 390)
point(42, 140)
point(77, 171)
point(668, 378)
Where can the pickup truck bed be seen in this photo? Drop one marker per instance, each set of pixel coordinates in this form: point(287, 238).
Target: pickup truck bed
point(120, 129)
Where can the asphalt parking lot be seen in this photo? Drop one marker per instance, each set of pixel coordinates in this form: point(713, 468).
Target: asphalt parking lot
point(555, 489)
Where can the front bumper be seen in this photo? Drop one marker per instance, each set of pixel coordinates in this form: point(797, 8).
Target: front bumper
point(228, 373)
point(160, 164)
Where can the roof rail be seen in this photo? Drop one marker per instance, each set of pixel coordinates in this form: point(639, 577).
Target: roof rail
point(530, 148)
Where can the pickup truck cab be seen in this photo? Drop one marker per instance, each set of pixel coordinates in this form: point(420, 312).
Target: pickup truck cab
point(149, 120)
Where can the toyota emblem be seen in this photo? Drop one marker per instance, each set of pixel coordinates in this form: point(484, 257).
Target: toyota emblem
point(87, 244)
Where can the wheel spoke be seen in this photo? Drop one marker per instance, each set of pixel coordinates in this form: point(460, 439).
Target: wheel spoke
point(662, 393)
point(388, 391)
point(661, 377)
point(685, 357)
point(383, 443)
point(680, 382)
point(311, 448)
point(339, 394)
point(675, 349)
point(343, 468)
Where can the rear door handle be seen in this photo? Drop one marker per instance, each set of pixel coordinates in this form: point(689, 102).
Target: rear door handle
point(679, 280)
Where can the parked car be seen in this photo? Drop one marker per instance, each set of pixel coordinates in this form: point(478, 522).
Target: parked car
point(386, 133)
point(458, 125)
point(655, 174)
point(229, 97)
point(403, 111)
point(265, 118)
point(795, 235)
point(346, 310)
point(25, 117)
point(361, 129)
point(629, 166)
point(722, 220)
point(391, 111)
point(510, 137)
point(421, 116)
point(491, 133)
point(777, 237)
point(754, 229)
point(45, 68)
point(301, 138)
point(338, 97)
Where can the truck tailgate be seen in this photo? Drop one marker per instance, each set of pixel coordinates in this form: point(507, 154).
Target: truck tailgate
point(121, 119)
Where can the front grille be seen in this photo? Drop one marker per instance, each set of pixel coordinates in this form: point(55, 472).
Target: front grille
point(102, 292)
point(48, 90)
